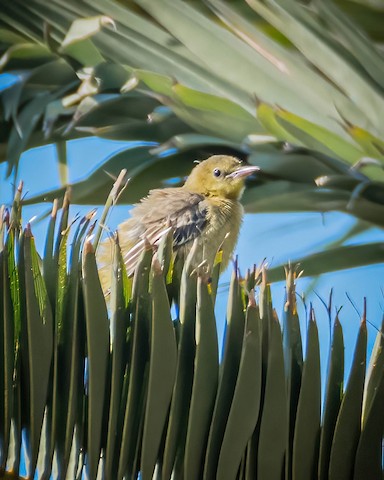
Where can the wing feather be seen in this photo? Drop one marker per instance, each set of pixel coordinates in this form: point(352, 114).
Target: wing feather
point(175, 208)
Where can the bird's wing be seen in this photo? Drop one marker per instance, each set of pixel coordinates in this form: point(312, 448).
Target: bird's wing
point(174, 208)
point(189, 224)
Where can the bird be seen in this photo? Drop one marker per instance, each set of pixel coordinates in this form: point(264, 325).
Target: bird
point(205, 210)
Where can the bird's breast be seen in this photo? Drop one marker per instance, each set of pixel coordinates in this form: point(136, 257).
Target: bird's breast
point(223, 226)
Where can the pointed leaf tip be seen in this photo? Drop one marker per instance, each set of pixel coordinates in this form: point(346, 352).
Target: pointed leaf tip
point(251, 298)
point(88, 248)
point(156, 266)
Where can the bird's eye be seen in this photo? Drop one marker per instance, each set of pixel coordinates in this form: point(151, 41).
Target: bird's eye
point(216, 172)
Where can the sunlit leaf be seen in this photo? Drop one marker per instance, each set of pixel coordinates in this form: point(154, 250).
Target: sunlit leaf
point(86, 27)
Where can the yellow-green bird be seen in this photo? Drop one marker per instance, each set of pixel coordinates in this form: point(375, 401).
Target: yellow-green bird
point(206, 208)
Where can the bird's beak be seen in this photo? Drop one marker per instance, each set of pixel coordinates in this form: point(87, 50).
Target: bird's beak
point(243, 171)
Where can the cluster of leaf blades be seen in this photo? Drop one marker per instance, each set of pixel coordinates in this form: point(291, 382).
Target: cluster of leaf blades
point(136, 390)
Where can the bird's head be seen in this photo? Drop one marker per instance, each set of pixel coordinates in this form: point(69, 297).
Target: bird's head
point(219, 176)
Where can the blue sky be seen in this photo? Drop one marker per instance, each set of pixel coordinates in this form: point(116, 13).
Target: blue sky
point(276, 237)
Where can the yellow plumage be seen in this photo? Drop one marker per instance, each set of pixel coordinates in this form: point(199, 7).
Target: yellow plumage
point(205, 208)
